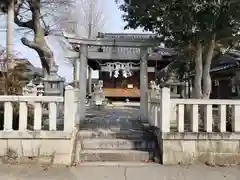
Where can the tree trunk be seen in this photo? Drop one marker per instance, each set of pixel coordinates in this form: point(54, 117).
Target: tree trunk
point(207, 82)
point(39, 43)
point(198, 69)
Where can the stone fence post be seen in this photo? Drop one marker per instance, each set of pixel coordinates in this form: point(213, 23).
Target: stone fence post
point(69, 109)
point(165, 110)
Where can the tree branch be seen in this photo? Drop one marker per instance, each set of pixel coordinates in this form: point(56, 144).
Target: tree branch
point(45, 55)
point(31, 44)
point(27, 24)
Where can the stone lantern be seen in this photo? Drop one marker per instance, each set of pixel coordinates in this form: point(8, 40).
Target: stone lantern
point(30, 89)
point(53, 83)
point(53, 86)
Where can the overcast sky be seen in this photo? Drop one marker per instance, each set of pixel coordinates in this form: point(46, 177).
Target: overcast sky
point(114, 24)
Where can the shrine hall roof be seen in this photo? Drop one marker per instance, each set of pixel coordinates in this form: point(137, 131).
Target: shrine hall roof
point(229, 60)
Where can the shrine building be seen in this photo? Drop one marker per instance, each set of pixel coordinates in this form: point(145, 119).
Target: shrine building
point(119, 67)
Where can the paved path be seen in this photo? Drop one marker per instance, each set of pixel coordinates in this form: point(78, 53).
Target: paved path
point(112, 118)
point(149, 172)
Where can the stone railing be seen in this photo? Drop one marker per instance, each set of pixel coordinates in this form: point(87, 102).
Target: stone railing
point(203, 130)
point(37, 101)
point(209, 114)
point(23, 102)
point(188, 112)
point(52, 145)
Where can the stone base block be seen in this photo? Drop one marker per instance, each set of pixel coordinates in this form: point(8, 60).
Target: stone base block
point(47, 150)
point(208, 148)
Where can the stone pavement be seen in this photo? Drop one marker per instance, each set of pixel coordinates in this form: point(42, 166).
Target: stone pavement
point(126, 172)
point(112, 118)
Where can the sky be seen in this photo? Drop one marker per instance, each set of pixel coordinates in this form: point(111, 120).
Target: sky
point(114, 24)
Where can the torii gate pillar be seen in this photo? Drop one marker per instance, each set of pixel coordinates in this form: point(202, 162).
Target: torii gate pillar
point(144, 83)
point(83, 81)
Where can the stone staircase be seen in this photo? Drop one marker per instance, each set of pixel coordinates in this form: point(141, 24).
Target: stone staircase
point(116, 145)
point(116, 135)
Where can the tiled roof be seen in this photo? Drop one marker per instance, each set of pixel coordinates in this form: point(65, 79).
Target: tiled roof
point(222, 67)
point(229, 60)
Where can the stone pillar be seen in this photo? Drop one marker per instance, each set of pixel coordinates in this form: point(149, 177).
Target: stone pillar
point(165, 111)
point(144, 84)
point(89, 80)
point(83, 81)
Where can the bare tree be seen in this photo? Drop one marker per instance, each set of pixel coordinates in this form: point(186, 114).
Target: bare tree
point(35, 15)
point(85, 16)
point(85, 20)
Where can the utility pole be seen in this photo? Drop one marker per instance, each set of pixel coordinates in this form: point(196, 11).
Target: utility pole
point(90, 24)
point(9, 42)
point(8, 63)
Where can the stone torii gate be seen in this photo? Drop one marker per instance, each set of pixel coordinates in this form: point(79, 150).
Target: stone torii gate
point(143, 43)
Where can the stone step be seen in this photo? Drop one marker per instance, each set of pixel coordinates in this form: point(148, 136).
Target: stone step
point(114, 155)
point(118, 164)
point(108, 134)
point(120, 144)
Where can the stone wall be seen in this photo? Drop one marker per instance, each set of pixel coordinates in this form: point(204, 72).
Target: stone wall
point(210, 148)
point(189, 137)
point(41, 148)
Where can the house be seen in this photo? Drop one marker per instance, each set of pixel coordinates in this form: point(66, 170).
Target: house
point(225, 74)
point(23, 72)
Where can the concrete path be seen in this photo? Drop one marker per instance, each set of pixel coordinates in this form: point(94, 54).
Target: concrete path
point(131, 172)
